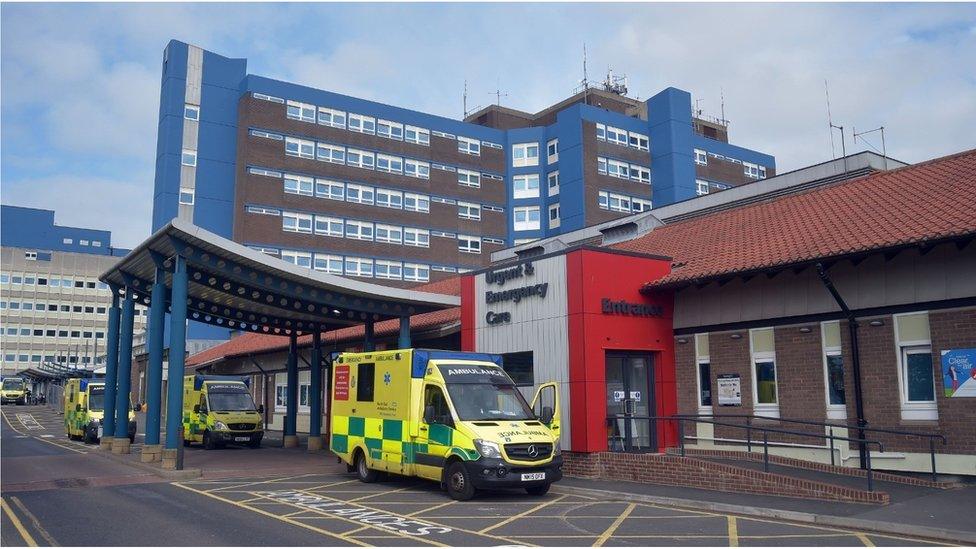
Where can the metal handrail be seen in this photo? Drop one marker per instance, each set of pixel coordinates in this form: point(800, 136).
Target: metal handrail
point(765, 437)
point(930, 436)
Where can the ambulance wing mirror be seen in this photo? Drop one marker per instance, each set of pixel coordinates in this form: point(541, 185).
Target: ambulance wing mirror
point(78, 407)
point(428, 415)
point(137, 407)
point(260, 408)
point(547, 415)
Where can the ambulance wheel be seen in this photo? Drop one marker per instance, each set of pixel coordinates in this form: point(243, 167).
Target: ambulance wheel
point(208, 441)
point(363, 471)
point(539, 490)
point(254, 443)
point(459, 484)
point(89, 436)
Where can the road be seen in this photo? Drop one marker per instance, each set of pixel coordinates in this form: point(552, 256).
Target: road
point(59, 492)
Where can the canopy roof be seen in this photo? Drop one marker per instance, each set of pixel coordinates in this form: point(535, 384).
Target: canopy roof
point(234, 286)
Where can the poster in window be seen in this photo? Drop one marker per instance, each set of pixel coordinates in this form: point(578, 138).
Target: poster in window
point(959, 372)
point(729, 390)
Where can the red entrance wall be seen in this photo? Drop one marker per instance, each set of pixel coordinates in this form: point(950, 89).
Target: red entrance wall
point(593, 275)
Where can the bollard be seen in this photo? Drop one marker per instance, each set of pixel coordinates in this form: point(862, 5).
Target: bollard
point(765, 451)
point(832, 446)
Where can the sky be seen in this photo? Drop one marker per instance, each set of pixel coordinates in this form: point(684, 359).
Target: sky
point(79, 83)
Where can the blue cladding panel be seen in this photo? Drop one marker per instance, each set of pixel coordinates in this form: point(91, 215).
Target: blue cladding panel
point(572, 209)
point(34, 228)
point(169, 137)
point(673, 162)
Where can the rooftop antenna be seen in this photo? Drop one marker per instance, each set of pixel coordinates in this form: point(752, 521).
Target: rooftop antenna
point(586, 84)
point(498, 93)
point(698, 110)
point(721, 92)
point(464, 100)
point(832, 127)
point(884, 150)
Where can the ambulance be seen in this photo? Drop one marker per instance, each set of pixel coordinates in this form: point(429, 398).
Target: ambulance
point(14, 389)
point(84, 409)
point(219, 410)
point(455, 418)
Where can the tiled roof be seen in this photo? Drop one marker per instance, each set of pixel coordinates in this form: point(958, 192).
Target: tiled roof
point(918, 204)
point(252, 343)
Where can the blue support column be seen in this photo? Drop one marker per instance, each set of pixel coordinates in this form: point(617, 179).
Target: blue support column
point(122, 404)
point(291, 392)
point(154, 383)
point(177, 350)
point(315, 395)
point(403, 342)
point(111, 368)
point(369, 341)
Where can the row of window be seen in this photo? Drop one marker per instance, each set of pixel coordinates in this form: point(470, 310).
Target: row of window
point(51, 332)
point(748, 169)
point(616, 202)
point(389, 129)
point(17, 356)
point(359, 266)
point(32, 280)
point(38, 306)
point(915, 369)
point(623, 170)
point(611, 134)
point(703, 187)
point(83, 242)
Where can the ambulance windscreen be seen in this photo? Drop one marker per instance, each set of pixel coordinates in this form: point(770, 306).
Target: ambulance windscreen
point(483, 393)
point(13, 384)
point(229, 398)
point(96, 397)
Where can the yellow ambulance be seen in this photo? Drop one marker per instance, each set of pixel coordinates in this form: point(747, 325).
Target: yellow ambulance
point(455, 418)
point(219, 410)
point(14, 389)
point(84, 409)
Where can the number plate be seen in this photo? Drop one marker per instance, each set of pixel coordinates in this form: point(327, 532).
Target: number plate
point(533, 476)
point(241, 439)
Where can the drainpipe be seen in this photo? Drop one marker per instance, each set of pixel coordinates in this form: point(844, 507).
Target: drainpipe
point(855, 362)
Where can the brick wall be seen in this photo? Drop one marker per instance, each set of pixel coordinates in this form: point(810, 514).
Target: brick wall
point(686, 370)
point(957, 416)
point(731, 356)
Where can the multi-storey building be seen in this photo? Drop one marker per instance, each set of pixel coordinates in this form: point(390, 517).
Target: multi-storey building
point(53, 309)
point(358, 188)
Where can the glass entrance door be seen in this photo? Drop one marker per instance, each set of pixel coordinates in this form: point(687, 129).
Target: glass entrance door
point(629, 397)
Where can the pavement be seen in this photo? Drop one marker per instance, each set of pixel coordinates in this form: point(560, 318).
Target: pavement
point(60, 492)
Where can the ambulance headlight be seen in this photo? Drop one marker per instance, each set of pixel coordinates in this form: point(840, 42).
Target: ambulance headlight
point(220, 426)
point(487, 448)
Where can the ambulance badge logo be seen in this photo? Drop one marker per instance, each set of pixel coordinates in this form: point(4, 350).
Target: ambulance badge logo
point(387, 378)
point(532, 451)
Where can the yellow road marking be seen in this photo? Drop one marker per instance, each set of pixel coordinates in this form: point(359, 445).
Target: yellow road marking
point(375, 494)
point(438, 506)
point(16, 522)
point(864, 539)
point(319, 487)
point(34, 522)
point(613, 527)
point(265, 481)
point(51, 442)
point(522, 514)
point(733, 532)
point(274, 516)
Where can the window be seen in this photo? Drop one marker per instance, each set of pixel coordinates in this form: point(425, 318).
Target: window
point(616, 135)
point(526, 218)
point(764, 393)
point(915, 367)
point(330, 153)
point(601, 132)
point(191, 112)
point(616, 168)
point(525, 154)
point(281, 392)
point(359, 230)
point(390, 270)
point(420, 136)
point(702, 187)
point(389, 233)
point(296, 184)
point(639, 141)
point(333, 190)
point(640, 205)
point(416, 237)
point(601, 165)
point(519, 367)
point(296, 222)
point(416, 202)
point(468, 178)
point(833, 370)
point(4, 278)
point(300, 111)
point(262, 210)
point(332, 117)
point(469, 244)
point(416, 272)
point(553, 183)
point(390, 164)
point(468, 210)
point(189, 158)
point(416, 168)
point(701, 157)
point(614, 202)
point(641, 174)
point(526, 186)
point(357, 266)
point(299, 147)
point(360, 159)
point(302, 259)
point(362, 124)
point(469, 146)
point(704, 367)
point(328, 226)
point(554, 216)
point(750, 170)
point(552, 151)
point(389, 199)
point(331, 264)
point(389, 130)
point(96, 244)
point(359, 194)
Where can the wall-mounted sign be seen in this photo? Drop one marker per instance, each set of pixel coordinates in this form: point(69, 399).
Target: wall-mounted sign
point(341, 391)
point(623, 307)
point(515, 295)
point(729, 388)
point(501, 276)
point(959, 372)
